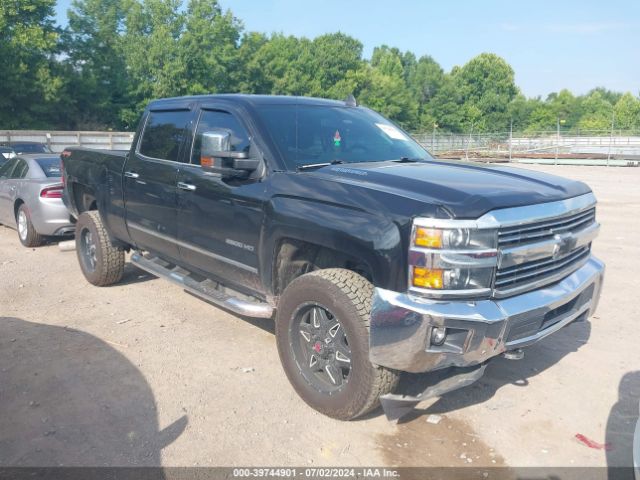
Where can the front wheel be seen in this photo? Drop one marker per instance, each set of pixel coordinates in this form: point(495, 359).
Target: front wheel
point(101, 263)
point(322, 332)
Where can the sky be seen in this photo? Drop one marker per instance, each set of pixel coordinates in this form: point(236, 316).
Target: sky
point(550, 45)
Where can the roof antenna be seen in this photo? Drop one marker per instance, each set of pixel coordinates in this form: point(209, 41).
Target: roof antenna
point(350, 101)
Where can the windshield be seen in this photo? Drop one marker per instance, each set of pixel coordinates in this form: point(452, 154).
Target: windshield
point(309, 135)
point(50, 166)
point(30, 148)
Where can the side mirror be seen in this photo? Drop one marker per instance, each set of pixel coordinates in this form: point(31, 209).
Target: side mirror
point(216, 144)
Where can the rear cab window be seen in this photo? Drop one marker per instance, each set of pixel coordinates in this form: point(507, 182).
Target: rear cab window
point(164, 134)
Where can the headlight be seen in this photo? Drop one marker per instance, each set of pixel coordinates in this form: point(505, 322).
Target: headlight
point(451, 258)
point(454, 238)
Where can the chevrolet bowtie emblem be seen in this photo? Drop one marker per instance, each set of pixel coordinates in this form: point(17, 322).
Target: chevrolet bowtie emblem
point(564, 244)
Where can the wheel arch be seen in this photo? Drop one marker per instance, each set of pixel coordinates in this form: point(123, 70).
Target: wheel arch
point(16, 206)
point(298, 231)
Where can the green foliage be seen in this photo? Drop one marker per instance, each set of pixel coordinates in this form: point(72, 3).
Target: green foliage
point(151, 51)
point(31, 86)
point(627, 112)
point(116, 55)
point(209, 48)
point(98, 74)
point(597, 112)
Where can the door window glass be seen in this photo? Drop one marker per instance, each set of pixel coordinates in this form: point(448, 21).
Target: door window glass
point(21, 170)
point(5, 169)
point(163, 134)
point(218, 119)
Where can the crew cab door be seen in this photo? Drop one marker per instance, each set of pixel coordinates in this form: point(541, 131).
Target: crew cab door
point(150, 176)
point(219, 219)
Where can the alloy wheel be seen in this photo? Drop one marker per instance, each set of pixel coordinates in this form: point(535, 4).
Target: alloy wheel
point(321, 348)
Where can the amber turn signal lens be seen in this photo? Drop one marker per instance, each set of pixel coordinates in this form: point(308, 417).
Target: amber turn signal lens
point(426, 278)
point(428, 237)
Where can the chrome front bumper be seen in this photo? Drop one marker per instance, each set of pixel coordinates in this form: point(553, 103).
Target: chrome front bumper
point(401, 323)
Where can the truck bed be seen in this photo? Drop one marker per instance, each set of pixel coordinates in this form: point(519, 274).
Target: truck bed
point(96, 175)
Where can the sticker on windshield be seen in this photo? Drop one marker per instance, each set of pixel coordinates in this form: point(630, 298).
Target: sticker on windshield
point(337, 139)
point(392, 132)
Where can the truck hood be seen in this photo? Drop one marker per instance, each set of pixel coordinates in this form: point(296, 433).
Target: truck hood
point(464, 189)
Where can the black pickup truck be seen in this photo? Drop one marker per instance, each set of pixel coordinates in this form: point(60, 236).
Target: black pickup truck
point(373, 258)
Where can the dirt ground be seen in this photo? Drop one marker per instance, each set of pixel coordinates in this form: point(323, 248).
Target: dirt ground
point(144, 374)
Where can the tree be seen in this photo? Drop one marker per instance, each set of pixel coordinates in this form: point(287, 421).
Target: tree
point(424, 78)
point(98, 71)
point(386, 94)
point(334, 56)
point(627, 110)
point(31, 86)
point(521, 110)
point(487, 86)
point(152, 53)
point(597, 112)
point(283, 66)
point(209, 48)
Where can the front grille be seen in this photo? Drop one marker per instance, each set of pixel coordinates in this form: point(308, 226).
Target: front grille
point(530, 272)
point(529, 275)
point(543, 230)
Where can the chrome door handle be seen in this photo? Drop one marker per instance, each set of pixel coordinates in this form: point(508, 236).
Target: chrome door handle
point(131, 174)
point(186, 186)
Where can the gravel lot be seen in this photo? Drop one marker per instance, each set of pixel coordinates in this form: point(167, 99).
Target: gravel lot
point(144, 374)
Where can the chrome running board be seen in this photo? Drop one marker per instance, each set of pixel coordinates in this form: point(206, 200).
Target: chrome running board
point(205, 289)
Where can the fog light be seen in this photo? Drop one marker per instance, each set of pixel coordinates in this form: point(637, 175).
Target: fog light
point(438, 336)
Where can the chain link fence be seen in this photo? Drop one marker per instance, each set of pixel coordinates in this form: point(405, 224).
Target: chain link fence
point(534, 147)
point(586, 145)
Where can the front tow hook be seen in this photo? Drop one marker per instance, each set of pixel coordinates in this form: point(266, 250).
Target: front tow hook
point(517, 354)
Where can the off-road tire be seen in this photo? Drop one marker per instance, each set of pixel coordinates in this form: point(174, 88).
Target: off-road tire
point(348, 296)
point(32, 238)
point(109, 260)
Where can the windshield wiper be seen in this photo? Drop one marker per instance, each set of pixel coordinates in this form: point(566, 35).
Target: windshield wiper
point(318, 165)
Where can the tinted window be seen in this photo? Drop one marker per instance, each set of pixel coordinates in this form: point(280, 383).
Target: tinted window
point(21, 170)
point(7, 167)
point(163, 134)
point(211, 119)
point(6, 152)
point(308, 134)
point(50, 166)
point(30, 148)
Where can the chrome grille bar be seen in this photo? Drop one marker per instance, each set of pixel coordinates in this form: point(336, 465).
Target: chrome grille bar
point(521, 234)
point(522, 272)
point(546, 249)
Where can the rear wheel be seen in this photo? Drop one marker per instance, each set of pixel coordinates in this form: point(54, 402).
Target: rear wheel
point(100, 261)
point(322, 332)
point(26, 231)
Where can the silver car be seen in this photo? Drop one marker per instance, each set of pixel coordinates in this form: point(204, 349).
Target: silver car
point(31, 198)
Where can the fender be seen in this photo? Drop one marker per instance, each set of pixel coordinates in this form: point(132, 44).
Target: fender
point(374, 240)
